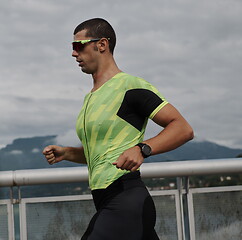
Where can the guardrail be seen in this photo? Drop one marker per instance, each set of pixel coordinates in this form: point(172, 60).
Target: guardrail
point(148, 170)
point(182, 213)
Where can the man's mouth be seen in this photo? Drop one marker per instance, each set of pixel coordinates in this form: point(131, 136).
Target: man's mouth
point(80, 63)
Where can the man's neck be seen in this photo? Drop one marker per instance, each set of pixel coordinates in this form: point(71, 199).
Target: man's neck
point(104, 74)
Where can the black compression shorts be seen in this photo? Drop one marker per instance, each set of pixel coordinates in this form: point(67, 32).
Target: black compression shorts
point(125, 211)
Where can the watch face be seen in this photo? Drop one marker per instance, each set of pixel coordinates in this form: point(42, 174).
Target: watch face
point(146, 150)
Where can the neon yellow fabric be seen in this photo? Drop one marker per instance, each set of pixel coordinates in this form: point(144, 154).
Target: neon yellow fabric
point(103, 134)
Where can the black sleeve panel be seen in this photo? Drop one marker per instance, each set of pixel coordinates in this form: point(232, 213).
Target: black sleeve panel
point(137, 105)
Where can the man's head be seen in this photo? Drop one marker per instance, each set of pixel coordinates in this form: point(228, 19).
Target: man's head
point(98, 28)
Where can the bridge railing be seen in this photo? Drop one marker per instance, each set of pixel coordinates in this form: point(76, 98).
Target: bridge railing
point(182, 213)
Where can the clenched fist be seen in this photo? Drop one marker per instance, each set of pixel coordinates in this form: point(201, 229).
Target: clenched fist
point(54, 153)
point(130, 159)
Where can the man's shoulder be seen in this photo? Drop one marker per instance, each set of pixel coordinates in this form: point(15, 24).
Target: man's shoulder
point(133, 81)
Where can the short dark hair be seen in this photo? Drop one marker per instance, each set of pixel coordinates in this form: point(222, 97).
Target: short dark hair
point(98, 28)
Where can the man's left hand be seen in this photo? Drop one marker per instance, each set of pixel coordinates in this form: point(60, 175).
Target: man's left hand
point(130, 159)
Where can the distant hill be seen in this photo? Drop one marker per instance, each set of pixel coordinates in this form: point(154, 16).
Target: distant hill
point(26, 153)
point(198, 150)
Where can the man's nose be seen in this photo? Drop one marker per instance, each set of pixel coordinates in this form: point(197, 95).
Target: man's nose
point(74, 53)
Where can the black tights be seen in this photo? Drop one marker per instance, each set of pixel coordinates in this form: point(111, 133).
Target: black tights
point(125, 211)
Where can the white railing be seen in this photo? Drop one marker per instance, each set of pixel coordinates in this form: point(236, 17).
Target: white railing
point(148, 170)
point(183, 200)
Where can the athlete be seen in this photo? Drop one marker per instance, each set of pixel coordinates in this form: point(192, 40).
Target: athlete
point(111, 126)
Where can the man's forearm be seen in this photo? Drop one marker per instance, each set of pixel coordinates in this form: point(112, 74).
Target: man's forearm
point(176, 132)
point(75, 154)
point(174, 135)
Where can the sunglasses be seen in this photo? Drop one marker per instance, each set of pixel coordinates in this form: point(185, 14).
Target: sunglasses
point(79, 45)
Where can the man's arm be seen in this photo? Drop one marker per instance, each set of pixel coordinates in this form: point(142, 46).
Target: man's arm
point(55, 154)
point(176, 132)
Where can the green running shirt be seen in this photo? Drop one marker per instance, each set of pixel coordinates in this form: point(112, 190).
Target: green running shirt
point(113, 118)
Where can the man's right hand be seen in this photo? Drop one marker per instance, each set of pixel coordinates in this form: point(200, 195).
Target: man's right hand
point(54, 154)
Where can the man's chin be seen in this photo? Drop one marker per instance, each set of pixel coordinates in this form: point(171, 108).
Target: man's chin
point(85, 70)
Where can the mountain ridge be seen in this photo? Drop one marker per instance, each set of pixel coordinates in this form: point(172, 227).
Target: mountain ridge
point(26, 153)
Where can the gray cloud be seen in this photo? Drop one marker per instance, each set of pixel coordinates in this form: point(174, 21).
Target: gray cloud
point(190, 50)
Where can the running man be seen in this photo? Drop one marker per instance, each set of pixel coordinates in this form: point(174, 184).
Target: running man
point(111, 126)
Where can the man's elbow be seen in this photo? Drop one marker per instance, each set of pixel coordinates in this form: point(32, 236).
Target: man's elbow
point(188, 134)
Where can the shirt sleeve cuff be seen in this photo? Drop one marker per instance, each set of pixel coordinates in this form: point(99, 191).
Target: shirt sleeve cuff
point(158, 109)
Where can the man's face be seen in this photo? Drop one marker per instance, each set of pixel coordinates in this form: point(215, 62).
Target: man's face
point(85, 54)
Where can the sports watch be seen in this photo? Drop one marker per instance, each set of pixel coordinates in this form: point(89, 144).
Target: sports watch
point(145, 149)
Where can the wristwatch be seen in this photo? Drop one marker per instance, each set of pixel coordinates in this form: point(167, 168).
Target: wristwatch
point(145, 149)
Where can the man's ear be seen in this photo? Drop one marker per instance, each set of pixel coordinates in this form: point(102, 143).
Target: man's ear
point(103, 45)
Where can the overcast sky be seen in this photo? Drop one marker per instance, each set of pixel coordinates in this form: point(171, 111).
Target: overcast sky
point(190, 50)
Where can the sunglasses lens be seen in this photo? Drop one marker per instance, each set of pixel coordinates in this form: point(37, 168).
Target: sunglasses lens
point(77, 46)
